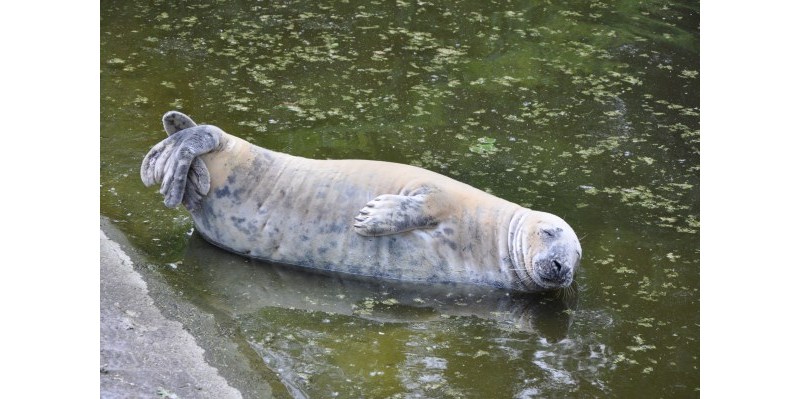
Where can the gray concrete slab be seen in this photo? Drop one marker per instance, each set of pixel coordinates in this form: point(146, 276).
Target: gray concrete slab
point(142, 353)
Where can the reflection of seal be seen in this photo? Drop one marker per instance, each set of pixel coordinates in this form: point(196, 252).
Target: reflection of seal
point(387, 301)
point(410, 224)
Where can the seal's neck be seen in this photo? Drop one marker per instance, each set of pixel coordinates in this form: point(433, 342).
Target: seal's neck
point(517, 242)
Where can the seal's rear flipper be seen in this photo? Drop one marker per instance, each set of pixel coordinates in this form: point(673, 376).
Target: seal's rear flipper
point(175, 121)
point(173, 162)
point(198, 184)
point(391, 214)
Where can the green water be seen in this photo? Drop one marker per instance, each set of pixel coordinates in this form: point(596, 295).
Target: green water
point(585, 109)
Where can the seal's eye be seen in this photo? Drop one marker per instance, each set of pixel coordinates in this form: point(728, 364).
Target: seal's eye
point(549, 232)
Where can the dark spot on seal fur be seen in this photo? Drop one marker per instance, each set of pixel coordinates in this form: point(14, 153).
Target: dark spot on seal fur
point(222, 192)
point(240, 223)
point(237, 195)
point(448, 231)
point(231, 179)
point(336, 228)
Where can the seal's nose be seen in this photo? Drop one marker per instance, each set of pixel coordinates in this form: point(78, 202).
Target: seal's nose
point(560, 270)
point(557, 266)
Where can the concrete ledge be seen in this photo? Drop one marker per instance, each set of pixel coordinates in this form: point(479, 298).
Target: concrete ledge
point(143, 354)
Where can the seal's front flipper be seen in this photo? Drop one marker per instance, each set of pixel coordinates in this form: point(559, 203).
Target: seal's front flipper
point(173, 162)
point(391, 214)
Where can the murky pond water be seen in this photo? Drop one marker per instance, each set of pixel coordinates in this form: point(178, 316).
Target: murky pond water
point(585, 109)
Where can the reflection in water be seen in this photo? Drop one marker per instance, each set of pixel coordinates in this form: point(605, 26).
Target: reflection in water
point(247, 286)
point(324, 333)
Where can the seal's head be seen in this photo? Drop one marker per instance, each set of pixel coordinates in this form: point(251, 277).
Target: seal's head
point(547, 252)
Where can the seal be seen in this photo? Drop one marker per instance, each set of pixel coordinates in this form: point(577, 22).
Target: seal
point(369, 218)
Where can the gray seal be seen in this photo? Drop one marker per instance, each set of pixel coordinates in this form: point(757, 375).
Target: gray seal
point(368, 218)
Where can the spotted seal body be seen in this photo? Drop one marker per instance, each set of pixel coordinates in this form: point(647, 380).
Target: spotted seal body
point(369, 218)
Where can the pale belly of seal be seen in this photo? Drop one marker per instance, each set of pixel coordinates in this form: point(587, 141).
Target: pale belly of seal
point(302, 211)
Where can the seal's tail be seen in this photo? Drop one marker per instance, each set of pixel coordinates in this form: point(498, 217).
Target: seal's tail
point(173, 162)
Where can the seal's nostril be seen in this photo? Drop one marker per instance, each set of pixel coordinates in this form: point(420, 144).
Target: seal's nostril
point(558, 265)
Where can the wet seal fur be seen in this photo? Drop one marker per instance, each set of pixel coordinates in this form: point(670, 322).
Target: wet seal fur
point(369, 218)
